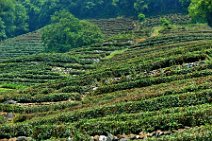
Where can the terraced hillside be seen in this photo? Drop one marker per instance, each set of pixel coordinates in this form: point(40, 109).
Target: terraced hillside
point(174, 18)
point(138, 88)
point(43, 67)
point(115, 26)
point(23, 45)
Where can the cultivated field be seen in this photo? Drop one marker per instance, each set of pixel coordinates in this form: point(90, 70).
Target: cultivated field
point(140, 84)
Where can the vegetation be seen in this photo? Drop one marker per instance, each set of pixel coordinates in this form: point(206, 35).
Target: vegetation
point(201, 9)
point(145, 77)
point(165, 23)
point(13, 18)
point(30, 15)
point(141, 17)
point(68, 32)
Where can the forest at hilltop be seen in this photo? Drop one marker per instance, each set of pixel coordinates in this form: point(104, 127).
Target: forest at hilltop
point(20, 16)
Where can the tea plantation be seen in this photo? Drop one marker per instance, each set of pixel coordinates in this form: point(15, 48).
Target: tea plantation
point(144, 82)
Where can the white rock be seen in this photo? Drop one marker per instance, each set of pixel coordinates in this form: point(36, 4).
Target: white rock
point(95, 88)
point(103, 138)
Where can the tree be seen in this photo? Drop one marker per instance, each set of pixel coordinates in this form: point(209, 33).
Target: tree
point(142, 5)
point(13, 18)
point(2, 30)
point(185, 3)
point(7, 14)
point(158, 7)
point(40, 11)
point(66, 32)
point(201, 9)
point(124, 7)
point(21, 19)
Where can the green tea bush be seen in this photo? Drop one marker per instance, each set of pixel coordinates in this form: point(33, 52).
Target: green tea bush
point(141, 17)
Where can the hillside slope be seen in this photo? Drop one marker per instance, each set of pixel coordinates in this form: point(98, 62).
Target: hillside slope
point(152, 87)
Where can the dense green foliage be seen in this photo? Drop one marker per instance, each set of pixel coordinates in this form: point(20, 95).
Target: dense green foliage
point(17, 16)
point(41, 11)
point(141, 17)
point(68, 32)
point(201, 9)
point(13, 18)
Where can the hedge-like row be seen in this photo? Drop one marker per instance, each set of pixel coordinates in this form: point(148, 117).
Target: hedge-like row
point(54, 97)
point(192, 116)
point(202, 133)
point(35, 109)
point(175, 38)
point(159, 103)
point(148, 81)
point(171, 121)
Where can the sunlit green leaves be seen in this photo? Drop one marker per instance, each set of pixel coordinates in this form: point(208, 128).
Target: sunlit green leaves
point(68, 32)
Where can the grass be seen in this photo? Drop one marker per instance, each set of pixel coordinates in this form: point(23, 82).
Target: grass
point(114, 53)
point(4, 90)
point(12, 86)
point(156, 31)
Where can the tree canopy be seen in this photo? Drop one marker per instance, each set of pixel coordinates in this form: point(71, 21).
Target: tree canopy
point(19, 16)
point(13, 18)
point(201, 8)
point(68, 32)
point(40, 11)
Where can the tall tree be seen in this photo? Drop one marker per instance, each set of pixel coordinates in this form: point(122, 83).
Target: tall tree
point(13, 18)
point(201, 8)
point(125, 7)
point(2, 30)
point(7, 14)
point(68, 32)
point(21, 19)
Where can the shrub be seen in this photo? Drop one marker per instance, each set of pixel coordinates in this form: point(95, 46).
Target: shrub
point(141, 17)
point(2, 119)
point(165, 23)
